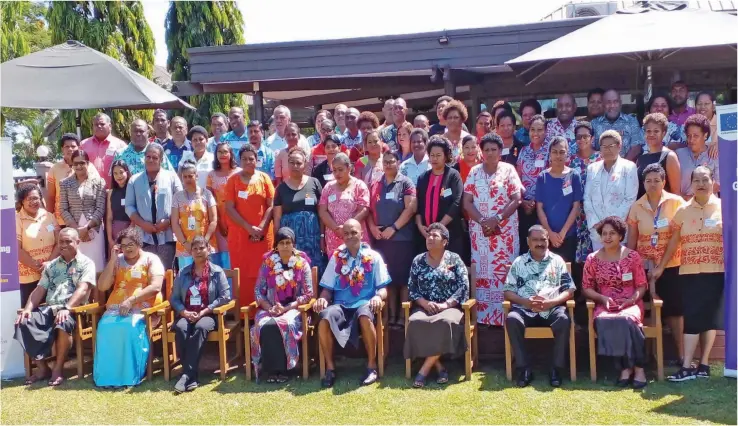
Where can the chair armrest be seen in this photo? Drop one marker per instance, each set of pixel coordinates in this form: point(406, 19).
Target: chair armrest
point(469, 304)
point(303, 308)
point(154, 310)
point(657, 304)
point(246, 309)
point(506, 305)
point(570, 304)
point(590, 305)
point(221, 310)
point(84, 308)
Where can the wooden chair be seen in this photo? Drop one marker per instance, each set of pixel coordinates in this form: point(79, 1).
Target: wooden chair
point(470, 329)
point(654, 331)
point(308, 330)
point(227, 328)
point(541, 333)
point(382, 343)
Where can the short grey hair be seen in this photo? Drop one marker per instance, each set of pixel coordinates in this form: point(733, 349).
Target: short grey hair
point(342, 158)
point(400, 100)
point(100, 115)
point(353, 111)
point(157, 147)
point(537, 228)
point(71, 231)
point(283, 109)
point(188, 165)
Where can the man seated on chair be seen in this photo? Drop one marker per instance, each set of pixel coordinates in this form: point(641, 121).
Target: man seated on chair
point(199, 288)
point(355, 281)
point(65, 283)
point(538, 285)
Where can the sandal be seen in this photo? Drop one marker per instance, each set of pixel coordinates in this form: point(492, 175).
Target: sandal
point(282, 378)
point(272, 379)
point(419, 381)
point(329, 379)
point(56, 382)
point(442, 377)
point(34, 378)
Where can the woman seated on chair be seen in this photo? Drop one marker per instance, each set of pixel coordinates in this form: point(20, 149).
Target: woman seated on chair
point(615, 280)
point(199, 288)
point(122, 347)
point(285, 282)
point(438, 285)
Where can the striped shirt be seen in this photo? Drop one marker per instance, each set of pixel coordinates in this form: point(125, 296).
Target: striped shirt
point(86, 199)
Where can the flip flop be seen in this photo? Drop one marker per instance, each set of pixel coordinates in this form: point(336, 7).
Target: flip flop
point(33, 379)
point(282, 379)
point(419, 381)
point(272, 379)
point(56, 382)
point(442, 377)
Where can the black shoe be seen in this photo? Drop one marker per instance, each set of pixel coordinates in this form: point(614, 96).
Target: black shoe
point(703, 371)
point(555, 378)
point(329, 379)
point(638, 385)
point(181, 385)
point(683, 375)
point(622, 383)
point(370, 377)
point(525, 376)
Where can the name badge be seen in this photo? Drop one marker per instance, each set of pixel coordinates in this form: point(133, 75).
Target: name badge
point(123, 202)
point(328, 177)
point(446, 192)
point(195, 300)
point(243, 194)
point(662, 223)
point(309, 201)
point(628, 276)
point(110, 152)
point(135, 273)
point(194, 290)
point(50, 228)
point(710, 223)
point(191, 223)
point(332, 198)
point(259, 163)
point(540, 163)
point(505, 151)
point(567, 190)
point(654, 240)
point(389, 196)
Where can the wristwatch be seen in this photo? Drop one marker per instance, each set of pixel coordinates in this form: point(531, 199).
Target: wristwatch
point(499, 217)
point(394, 227)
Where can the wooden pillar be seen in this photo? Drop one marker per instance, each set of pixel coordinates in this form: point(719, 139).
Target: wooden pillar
point(449, 85)
point(476, 100)
point(258, 98)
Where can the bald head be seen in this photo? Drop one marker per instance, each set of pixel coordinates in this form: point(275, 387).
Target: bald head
point(352, 235)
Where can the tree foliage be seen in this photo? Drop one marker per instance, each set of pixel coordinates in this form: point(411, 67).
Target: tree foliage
point(29, 137)
point(23, 30)
point(197, 24)
point(115, 28)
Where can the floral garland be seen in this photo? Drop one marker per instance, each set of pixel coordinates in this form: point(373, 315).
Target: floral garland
point(284, 280)
point(353, 277)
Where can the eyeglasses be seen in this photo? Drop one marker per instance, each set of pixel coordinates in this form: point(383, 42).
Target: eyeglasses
point(610, 147)
point(583, 137)
point(127, 246)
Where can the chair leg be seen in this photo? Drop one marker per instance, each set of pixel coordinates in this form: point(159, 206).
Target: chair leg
point(408, 368)
point(80, 356)
point(660, 356)
point(165, 354)
point(380, 350)
point(321, 361)
point(247, 351)
point(475, 345)
point(305, 354)
point(572, 352)
point(592, 354)
point(28, 365)
point(508, 355)
point(468, 352)
point(223, 356)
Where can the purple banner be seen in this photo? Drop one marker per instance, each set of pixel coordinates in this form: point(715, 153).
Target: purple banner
point(8, 244)
point(727, 135)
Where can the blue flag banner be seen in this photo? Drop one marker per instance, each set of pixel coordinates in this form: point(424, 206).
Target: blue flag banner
point(727, 134)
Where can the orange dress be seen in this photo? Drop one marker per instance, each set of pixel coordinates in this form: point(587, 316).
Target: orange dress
point(197, 207)
point(251, 201)
point(130, 280)
point(216, 184)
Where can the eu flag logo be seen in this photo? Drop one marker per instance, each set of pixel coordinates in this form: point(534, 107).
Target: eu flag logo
point(729, 122)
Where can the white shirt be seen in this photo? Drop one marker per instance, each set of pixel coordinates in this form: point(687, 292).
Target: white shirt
point(277, 143)
point(204, 165)
point(413, 170)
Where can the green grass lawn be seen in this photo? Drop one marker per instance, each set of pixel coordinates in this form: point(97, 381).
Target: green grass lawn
point(488, 398)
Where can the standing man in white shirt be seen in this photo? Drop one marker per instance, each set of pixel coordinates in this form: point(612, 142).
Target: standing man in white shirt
point(339, 116)
point(277, 142)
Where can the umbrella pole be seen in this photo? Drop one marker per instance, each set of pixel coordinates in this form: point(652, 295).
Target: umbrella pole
point(78, 121)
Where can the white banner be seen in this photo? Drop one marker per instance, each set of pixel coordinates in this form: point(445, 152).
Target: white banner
point(11, 353)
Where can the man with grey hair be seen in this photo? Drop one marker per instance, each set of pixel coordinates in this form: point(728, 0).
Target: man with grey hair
point(421, 122)
point(102, 146)
point(389, 133)
point(387, 109)
point(352, 136)
point(149, 204)
point(178, 144)
point(339, 116)
point(277, 142)
point(626, 125)
point(133, 154)
point(538, 285)
point(65, 283)
point(564, 123)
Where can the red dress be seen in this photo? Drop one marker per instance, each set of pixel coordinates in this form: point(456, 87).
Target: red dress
point(617, 280)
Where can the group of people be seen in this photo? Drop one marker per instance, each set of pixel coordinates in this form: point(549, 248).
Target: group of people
point(387, 213)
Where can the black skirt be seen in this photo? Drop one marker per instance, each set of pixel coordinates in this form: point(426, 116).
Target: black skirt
point(38, 334)
point(702, 295)
point(668, 288)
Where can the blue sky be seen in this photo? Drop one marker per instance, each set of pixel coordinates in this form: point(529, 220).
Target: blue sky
point(289, 20)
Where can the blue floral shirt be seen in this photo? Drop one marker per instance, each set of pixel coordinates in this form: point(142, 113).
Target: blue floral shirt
point(626, 125)
point(523, 136)
point(175, 153)
point(355, 296)
point(135, 159)
point(235, 141)
point(449, 281)
point(61, 278)
point(548, 278)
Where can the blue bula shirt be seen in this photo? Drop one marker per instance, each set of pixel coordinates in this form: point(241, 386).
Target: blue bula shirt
point(175, 153)
point(342, 265)
point(558, 196)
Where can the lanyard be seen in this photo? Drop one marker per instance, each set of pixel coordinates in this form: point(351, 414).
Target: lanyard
point(656, 218)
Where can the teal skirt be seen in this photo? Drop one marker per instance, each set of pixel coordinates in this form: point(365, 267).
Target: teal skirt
point(121, 350)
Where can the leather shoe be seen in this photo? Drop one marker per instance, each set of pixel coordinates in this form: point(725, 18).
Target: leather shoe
point(555, 378)
point(525, 376)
